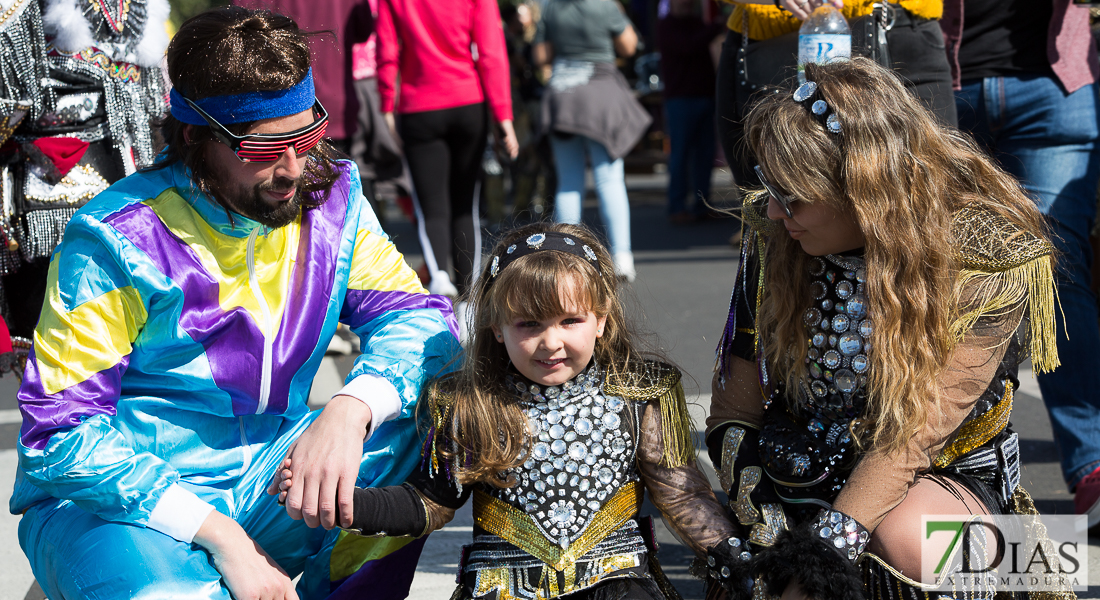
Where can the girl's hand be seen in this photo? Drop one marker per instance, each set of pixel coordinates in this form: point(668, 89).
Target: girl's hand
point(248, 571)
point(802, 9)
point(281, 482)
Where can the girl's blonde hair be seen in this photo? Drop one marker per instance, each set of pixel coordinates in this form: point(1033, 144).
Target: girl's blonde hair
point(488, 430)
point(902, 176)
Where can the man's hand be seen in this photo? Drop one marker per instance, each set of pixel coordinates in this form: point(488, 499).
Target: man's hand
point(248, 572)
point(326, 461)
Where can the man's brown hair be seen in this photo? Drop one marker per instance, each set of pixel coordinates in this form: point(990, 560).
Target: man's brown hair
point(235, 50)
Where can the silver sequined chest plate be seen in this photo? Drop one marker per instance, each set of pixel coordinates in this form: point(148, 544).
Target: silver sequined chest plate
point(583, 452)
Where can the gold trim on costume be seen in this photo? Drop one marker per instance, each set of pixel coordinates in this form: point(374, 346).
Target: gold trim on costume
point(742, 505)
point(516, 527)
point(1008, 266)
point(657, 381)
point(979, 431)
point(774, 523)
point(731, 445)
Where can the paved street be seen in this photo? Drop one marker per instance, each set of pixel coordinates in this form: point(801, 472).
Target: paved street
point(684, 278)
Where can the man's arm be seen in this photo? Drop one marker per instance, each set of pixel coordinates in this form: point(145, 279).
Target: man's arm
point(407, 337)
point(69, 445)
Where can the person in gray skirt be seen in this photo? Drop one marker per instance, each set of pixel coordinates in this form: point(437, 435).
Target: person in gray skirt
point(589, 112)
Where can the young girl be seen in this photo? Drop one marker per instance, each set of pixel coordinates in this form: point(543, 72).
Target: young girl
point(555, 425)
point(891, 282)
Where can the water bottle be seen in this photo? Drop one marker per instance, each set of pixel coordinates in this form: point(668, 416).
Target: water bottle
point(823, 37)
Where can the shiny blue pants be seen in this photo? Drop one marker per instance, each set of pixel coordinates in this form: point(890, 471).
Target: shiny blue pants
point(1048, 140)
point(75, 554)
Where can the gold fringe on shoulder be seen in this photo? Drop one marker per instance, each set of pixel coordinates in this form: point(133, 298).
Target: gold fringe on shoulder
point(661, 382)
point(441, 401)
point(1005, 267)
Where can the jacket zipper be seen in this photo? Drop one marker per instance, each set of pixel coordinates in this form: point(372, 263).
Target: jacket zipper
point(254, 284)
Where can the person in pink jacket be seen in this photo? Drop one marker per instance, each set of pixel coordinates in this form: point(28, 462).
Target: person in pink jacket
point(452, 63)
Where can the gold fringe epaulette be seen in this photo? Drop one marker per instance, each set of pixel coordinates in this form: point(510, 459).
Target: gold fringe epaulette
point(649, 381)
point(441, 399)
point(754, 212)
point(1007, 266)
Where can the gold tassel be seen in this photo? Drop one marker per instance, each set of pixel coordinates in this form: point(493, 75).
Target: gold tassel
point(650, 381)
point(1001, 292)
point(676, 428)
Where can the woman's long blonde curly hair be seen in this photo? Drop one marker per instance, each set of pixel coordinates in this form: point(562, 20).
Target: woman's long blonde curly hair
point(902, 176)
point(487, 434)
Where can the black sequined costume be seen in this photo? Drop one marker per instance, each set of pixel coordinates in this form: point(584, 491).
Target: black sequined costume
point(785, 468)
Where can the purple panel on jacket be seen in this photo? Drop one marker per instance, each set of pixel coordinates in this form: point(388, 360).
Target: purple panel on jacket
point(44, 414)
point(361, 306)
point(233, 343)
point(307, 301)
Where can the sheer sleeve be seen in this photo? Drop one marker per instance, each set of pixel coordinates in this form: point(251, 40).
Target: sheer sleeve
point(881, 480)
point(682, 494)
point(736, 397)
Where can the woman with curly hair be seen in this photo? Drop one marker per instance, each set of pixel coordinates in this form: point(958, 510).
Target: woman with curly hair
point(892, 279)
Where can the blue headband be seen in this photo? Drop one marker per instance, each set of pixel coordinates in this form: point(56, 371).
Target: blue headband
point(250, 106)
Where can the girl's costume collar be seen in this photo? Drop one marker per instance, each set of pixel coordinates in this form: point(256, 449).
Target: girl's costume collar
point(586, 383)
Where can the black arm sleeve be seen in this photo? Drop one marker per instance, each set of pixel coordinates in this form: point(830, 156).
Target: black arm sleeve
point(393, 510)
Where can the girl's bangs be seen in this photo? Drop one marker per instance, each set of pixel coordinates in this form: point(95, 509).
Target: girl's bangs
point(531, 287)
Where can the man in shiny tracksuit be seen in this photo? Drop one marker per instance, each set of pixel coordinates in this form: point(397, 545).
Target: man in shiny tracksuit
point(187, 312)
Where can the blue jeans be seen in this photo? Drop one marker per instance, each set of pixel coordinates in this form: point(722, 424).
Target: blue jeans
point(1048, 140)
point(569, 160)
point(690, 122)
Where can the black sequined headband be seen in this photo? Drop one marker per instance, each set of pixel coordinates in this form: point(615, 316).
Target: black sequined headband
point(549, 240)
point(818, 108)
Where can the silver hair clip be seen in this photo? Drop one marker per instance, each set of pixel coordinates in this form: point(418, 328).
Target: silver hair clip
point(818, 108)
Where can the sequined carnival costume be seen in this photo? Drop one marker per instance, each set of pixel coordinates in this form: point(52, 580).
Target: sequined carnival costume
point(79, 83)
point(570, 522)
point(792, 468)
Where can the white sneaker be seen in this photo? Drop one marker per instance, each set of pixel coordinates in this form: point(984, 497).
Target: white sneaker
point(624, 266)
point(441, 285)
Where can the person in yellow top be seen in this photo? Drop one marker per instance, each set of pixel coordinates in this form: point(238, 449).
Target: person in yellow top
point(916, 48)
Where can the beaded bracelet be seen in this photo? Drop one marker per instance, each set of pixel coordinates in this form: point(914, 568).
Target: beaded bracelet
point(727, 563)
point(842, 532)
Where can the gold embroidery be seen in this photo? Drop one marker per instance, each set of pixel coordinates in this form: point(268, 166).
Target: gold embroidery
point(489, 580)
point(504, 520)
point(979, 431)
point(742, 506)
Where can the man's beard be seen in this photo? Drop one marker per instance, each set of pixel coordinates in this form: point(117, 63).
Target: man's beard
point(250, 203)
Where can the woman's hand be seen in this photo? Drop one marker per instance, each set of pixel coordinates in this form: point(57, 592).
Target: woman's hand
point(391, 124)
point(506, 138)
point(802, 9)
point(248, 572)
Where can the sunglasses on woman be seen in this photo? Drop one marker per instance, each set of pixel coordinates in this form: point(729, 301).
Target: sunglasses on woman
point(783, 199)
point(268, 147)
